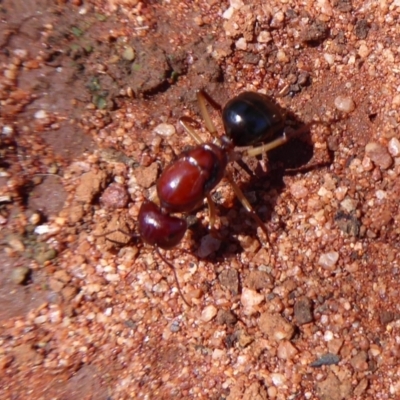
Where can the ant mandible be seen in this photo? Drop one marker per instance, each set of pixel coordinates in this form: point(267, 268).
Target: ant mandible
point(249, 119)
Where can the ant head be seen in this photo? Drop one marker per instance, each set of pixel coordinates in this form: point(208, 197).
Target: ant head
point(159, 229)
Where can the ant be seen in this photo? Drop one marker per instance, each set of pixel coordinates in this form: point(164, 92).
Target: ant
point(249, 119)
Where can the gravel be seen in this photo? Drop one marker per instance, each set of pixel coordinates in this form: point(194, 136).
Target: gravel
point(96, 102)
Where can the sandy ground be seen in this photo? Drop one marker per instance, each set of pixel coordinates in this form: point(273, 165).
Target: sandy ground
point(91, 93)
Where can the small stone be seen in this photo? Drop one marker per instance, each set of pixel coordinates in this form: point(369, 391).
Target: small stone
point(10, 74)
point(341, 192)
point(394, 147)
point(325, 7)
point(275, 327)
point(329, 389)
point(325, 359)
point(359, 361)
point(241, 44)
point(21, 53)
point(316, 32)
point(34, 219)
point(25, 355)
point(225, 317)
point(41, 319)
point(115, 196)
point(19, 275)
point(277, 19)
point(237, 4)
point(264, 37)
point(62, 276)
point(328, 260)
point(68, 293)
point(282, 57)
point(108, 311)
point(165, 129)
point(258, 280)
point(146, 176)
point(335, 345)
point(329, 58)
point(361, 388)
point(363, 51)
point(42, 255)
point(208, 245)
point(46, 229)
point(198, 20)
point(367, 164)
point(345, 104)
point(303, 311)
point(278, 379)
point(5, 198)
point(41, 114)
point(8, 130)
point(128, 54)
point(229, 278)
point(16, 244)
point(348, 204)
point(262, 257)
point(93, 288)
point(286, 351)
point(175, 327)
point(91, 183)
point(396, 100)
point(386, 317)
point(362, 28)
point(375, 350)
point(208, 313)
point(250, 299)
point(244, 339)
point(112, 277)
point(348, 223)
point(379, 155)
point(381, 194)
point(228, 13)
point(298, 189)
point(217, 354)
point(55, 285)
point(324, 193)
point(75, 213)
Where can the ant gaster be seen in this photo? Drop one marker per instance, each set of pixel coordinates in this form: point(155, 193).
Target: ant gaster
point(249, 119)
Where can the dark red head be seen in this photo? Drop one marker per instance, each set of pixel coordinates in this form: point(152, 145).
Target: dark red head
point(158, 229)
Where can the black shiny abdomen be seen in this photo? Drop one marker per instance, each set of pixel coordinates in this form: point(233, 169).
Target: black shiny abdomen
point(252, 118)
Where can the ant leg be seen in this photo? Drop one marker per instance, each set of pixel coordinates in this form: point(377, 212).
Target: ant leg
point(286, 136)
point(113, 231)
point(211, 212)
point(202, 97)
point(175, 276)
point(131, 236)
point(246, 204)
point(255, 151)
point(184, 121)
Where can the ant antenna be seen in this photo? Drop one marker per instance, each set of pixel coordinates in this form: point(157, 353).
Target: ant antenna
point(160, 255)
point(176, 277)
